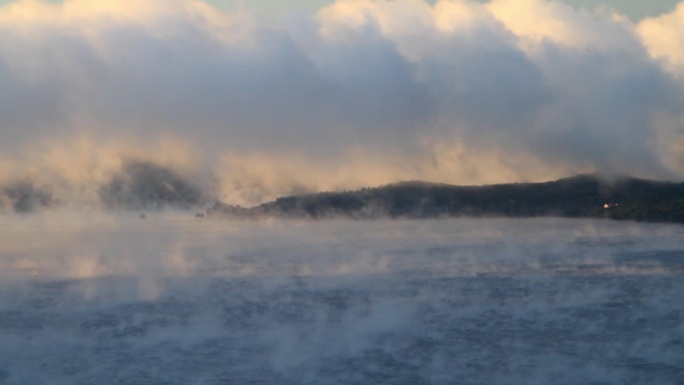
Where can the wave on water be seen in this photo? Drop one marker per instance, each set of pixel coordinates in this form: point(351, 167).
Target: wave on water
point(111, 299)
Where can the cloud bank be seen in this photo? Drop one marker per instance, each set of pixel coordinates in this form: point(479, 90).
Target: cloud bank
point(360, 93)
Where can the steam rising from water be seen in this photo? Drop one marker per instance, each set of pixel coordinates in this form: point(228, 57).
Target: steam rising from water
point(174, 104)
point(361, 93)
point(112, 299)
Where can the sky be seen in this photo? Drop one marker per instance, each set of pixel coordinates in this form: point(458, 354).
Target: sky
point(255, 105)
point(634, 9)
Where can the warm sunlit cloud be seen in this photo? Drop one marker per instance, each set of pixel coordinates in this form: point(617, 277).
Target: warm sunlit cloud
point(664, 38)
point(360, 93)
point(558, 23)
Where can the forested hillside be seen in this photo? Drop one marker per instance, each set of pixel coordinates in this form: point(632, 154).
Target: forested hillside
point(579, 196)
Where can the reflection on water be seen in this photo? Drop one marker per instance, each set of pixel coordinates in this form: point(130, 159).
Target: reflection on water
point(116, 301)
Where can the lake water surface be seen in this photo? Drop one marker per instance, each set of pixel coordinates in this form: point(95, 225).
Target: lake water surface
point(112, 299)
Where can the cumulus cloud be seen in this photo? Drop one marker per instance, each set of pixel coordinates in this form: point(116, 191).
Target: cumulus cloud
point(664, 38)
point(359, 93)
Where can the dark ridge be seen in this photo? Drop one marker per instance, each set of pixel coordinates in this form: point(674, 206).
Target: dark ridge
point(579, 196)
point(143, 185)
point(24, 197)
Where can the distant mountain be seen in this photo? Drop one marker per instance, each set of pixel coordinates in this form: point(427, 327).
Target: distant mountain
point(23, 197)
point(138, 185)
point(147, 186)
point(579, 196)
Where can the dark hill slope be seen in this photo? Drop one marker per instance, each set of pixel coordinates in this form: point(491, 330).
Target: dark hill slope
point(579, 196)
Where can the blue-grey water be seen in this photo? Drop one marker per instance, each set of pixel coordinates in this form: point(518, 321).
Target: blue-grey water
point(169, 300)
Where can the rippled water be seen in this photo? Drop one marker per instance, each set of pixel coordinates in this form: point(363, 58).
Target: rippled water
point(117, 300)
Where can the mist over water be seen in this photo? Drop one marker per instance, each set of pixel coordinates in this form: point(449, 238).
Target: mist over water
point(246, 108)
point(109, 108)
point(111, 299)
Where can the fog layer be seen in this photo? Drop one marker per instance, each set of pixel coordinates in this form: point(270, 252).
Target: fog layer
point(111, 299)
point(361, 93)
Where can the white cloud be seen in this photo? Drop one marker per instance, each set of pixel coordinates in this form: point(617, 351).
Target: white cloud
point(557, 23)
point(361, 93)
point(664, 39)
